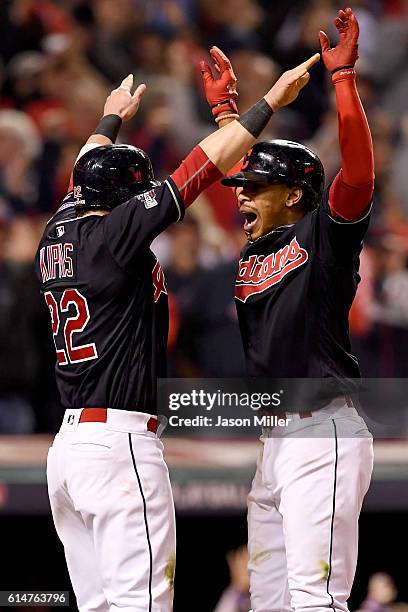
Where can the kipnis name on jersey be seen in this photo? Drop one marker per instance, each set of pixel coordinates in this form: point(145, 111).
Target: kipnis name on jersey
point(56, 261)
point(260, 272)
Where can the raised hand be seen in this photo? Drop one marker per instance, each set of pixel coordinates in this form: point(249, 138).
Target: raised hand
point(345, 53)
point(221, 93)
point(288, 86)
point(121, 102)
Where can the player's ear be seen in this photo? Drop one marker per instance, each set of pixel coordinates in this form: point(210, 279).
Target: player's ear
point(294, 196)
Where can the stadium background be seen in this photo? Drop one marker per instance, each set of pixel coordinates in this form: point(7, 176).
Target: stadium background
point(58, 60)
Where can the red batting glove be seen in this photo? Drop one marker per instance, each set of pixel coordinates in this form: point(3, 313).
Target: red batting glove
point(221, 93)
point(344, 56)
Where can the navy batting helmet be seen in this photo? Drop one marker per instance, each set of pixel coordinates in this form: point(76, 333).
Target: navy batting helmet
point(282, 161)
point(109, 175)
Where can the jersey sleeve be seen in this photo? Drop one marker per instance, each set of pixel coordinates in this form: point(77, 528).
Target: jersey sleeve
point(338, 239)
point(133, 226)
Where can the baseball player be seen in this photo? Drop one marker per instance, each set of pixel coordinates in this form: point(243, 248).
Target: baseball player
point(296, 280)
point(108, 484)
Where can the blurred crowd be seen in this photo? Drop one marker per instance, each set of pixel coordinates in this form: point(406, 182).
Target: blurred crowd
point(58, 61)
point(381, 593)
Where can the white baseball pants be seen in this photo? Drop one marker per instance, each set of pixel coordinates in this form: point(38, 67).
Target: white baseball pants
point(303, 511)
point(113, 510)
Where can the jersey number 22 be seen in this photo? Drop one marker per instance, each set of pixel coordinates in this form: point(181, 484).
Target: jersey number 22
point(73, 325)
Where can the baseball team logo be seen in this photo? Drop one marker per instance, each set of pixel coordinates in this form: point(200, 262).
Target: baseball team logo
point(246, 159)
point(260, 272)
point(78, 195)
point(149, 199)
point(159, 281)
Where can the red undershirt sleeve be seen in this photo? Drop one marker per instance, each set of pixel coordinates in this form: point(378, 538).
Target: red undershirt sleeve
point(352, 189)
point(195, 173)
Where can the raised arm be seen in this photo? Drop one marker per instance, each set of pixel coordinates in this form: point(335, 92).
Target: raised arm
point(120, 106)
point(352, 189)
point(217, 153)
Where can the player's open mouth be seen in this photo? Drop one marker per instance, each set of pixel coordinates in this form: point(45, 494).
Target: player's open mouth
point(250, 219)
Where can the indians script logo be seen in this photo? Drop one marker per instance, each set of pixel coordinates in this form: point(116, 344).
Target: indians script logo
point(259, 272)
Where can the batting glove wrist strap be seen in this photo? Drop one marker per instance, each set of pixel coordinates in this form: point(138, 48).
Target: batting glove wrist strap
point(342, 68)
point(228, 104)
point(109, 126)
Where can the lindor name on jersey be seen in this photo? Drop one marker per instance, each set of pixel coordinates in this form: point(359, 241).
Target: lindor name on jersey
point(260, 272)
point(56, 261)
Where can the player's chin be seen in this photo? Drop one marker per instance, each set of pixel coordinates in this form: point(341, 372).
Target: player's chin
point(254, 233)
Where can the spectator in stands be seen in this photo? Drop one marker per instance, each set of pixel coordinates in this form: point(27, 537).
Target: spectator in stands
point(115, 31)
point(20, 146)
point(379, 318)
point(24, 74)
point(235, 598)
point(154, 136)
point(18, 356)
point(381, 593)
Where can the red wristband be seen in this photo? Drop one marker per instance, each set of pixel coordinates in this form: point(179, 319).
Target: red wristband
point(343, 74)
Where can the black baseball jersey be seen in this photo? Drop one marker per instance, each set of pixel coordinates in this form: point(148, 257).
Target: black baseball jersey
point(107, 298)
point(294, 290)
